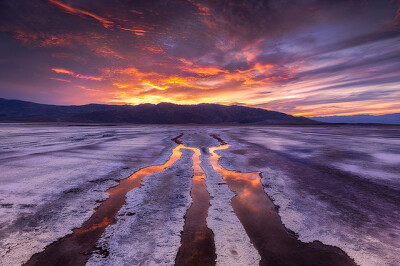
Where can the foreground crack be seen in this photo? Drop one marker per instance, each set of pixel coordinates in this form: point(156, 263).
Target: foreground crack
point(258, 215)
point(76, 248)
point(197, 240)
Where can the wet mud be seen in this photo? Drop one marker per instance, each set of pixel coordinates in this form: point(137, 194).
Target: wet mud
point(76, 248)
point(258, 215)
point(197, 242)
point(253, 207)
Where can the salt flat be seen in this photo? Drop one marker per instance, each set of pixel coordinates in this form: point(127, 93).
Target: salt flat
point(338, 185)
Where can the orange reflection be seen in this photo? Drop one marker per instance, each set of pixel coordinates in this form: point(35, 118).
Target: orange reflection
point(139, 32)
point(249, 191)
point(106, 221)
point(74, 248)
point(134, 180)
point(259, 217)
point(198, 174)
point(248, 181)
point(197, 239)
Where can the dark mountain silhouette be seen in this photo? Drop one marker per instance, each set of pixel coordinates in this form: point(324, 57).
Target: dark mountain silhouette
point(361, 119)
point(163, 113)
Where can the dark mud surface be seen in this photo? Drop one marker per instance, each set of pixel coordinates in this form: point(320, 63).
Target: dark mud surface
point(258, 214)
point(296, 195)
point(197, 243)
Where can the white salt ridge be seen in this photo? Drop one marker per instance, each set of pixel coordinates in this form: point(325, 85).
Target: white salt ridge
point(45, 195)
point(309, 217)
point(310, 226)
point(233, 246)
point(50, 222)
point(39, 163)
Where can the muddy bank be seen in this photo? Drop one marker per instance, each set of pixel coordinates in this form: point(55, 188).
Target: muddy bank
point(321, 202)
point(312, 197)
point(53, 178)
point(148, 228)
point(76, 248)
point(257, 213)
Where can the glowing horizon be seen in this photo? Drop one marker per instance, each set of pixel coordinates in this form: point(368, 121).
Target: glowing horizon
point(309, 58)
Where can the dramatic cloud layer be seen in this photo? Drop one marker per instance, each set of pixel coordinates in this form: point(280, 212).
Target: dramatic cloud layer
point(306, 57)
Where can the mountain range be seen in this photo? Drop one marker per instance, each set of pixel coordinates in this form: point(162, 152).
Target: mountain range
point(162, 113)
point(361, 119)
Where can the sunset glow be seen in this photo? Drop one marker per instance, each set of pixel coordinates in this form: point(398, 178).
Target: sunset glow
point(306, 58)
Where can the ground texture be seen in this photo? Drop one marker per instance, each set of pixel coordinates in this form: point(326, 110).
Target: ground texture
point(266, 195)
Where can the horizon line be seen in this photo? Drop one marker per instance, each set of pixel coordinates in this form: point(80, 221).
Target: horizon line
point(224, 104)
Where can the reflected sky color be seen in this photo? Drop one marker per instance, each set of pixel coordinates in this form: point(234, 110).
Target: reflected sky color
point(250, 182)
point(197, 240)
point(76, 248)
point(306, 57)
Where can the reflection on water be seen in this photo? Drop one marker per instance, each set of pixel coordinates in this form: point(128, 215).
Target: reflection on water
point(197, 241)
point(108, 209)
point(75, 249)
point(259, 217)
point(251, 181)
point(106, 221)
point(253, 207)
point(247, 186)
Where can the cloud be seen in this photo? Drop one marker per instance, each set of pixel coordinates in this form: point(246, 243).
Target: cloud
point(63, 80)
point(138, 32)
point(108, 52)
point(294, 56)
point(76, 11)
point(354, 63)
point(44, 39)
point(75, 75)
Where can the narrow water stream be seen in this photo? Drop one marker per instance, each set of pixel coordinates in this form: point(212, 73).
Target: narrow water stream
point(197, 241)
point(76, 248)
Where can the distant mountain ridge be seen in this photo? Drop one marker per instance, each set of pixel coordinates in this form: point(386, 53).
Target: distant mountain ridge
point(162, 113)
point(360, 119)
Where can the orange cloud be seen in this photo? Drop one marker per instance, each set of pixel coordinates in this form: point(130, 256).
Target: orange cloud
point(75, 75)
point(63, 80)
point(208, 71)
point(176, 80)
point(153, 85)
point(105, 51)
point(138, 32)
point(154, 49)
point(206, 84)
point(45, 39)
point(64, 71)
point(76, 11)
point(121, 86)
point(204, 10)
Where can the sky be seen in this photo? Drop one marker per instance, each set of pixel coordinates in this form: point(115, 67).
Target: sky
point(305, 57)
